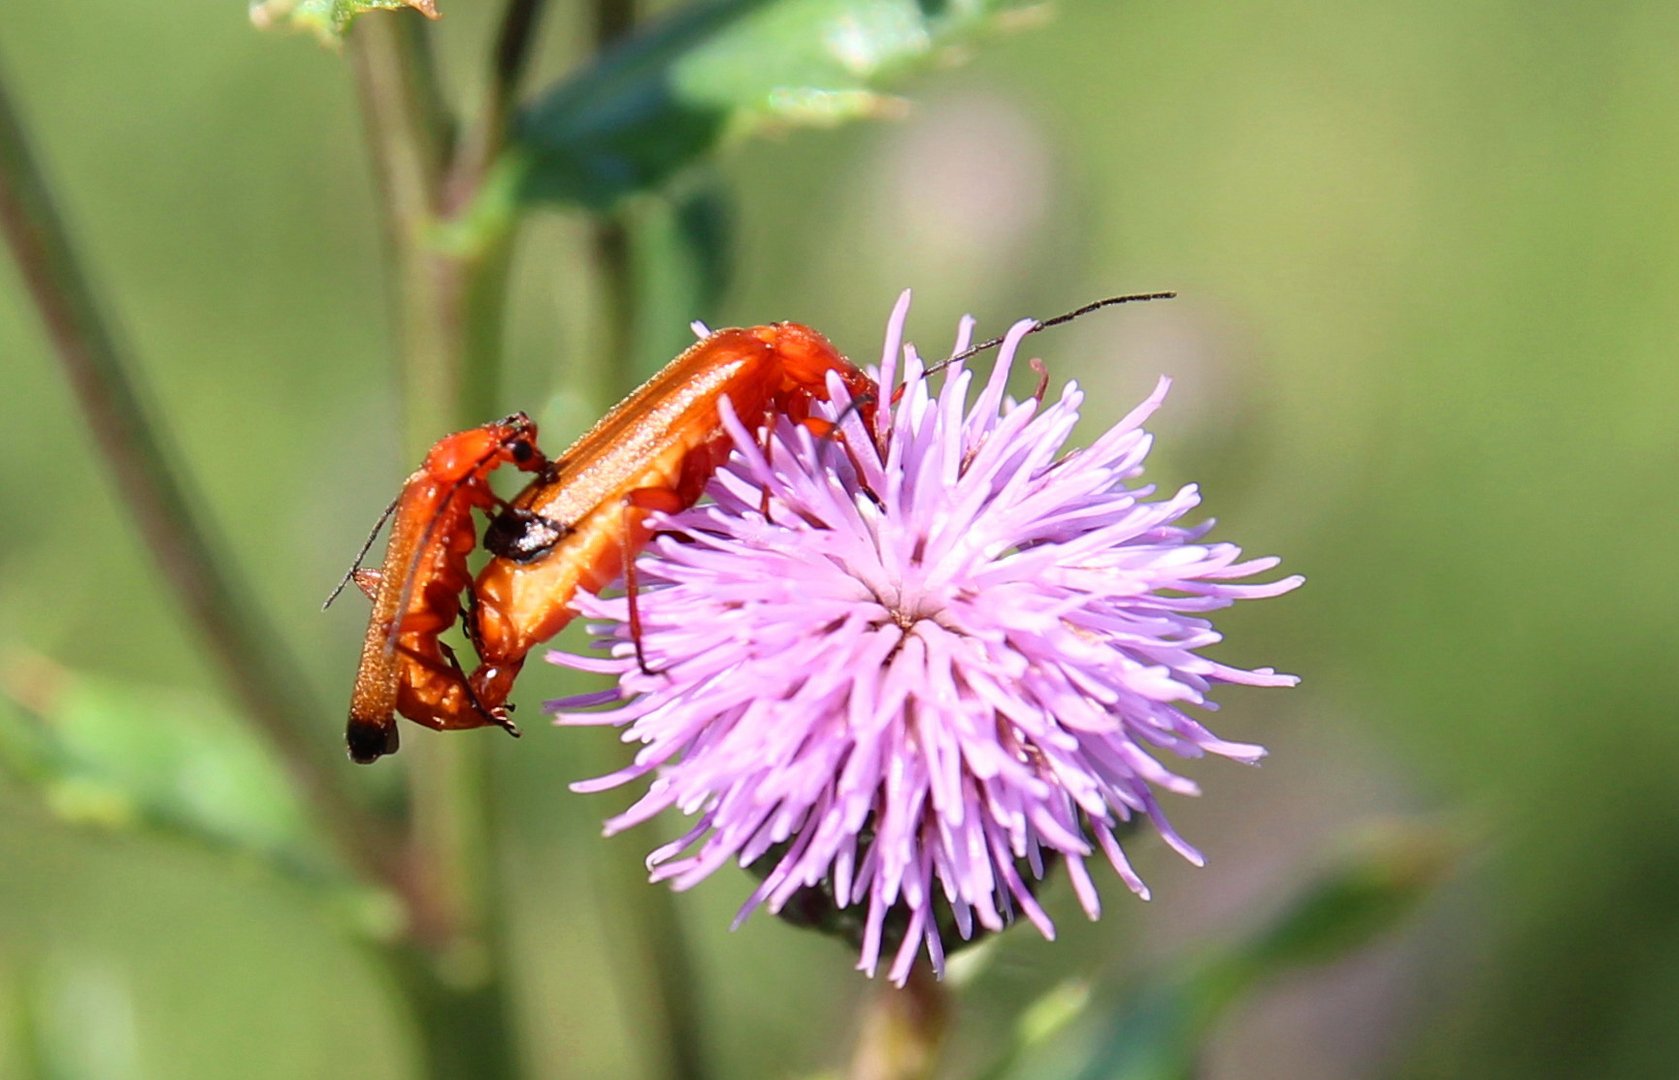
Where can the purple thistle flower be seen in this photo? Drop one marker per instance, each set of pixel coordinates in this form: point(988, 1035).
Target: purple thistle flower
point(929, 668)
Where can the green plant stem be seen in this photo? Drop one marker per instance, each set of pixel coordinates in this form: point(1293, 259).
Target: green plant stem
point(614, 19)
point(488, 255)
point(655, 970)
point(250, 657)
point(617, 372)
point(453, 969)
point(903, 1030)
point(515, 42)
point(447, 304)
point(662, 976)
point(458, 1021)
point(408, 142)
point(610, 243)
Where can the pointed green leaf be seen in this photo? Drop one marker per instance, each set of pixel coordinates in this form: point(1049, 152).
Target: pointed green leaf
point(327, 19)
point(113, 756)
point(1377, 881)
point(1156, 1035)
point(70, 1017)
point(1041, 1023)
point(1158, 1031)
point(722, 70)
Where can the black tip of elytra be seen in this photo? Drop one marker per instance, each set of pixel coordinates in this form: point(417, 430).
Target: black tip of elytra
point(368, 743)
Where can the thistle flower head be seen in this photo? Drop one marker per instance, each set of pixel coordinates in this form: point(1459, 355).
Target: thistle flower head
point(952, 652)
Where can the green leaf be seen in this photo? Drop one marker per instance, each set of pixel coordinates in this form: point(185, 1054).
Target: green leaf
point(1042, 1023)
point(1157, 1032)
point(113, 756)
point(1156, 1035)
point(1378, 880)
point(328, 19)
point(717, 72)
point(68, 1017)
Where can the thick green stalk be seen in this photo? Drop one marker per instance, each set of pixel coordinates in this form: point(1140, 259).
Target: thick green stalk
point(486, 138)
point(610, 248)
point(408, 142)
point(654, 968)
point(447, 303)
point(658, 973)
point(661, 975)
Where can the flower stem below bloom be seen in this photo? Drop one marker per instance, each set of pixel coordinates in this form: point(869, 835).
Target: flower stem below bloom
point(902, 1029)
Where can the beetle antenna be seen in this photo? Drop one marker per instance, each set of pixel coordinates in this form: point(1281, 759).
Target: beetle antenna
point(1045, 324)
point(362, 554)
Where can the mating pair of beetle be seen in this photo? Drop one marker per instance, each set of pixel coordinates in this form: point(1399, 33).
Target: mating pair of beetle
point(577, 525)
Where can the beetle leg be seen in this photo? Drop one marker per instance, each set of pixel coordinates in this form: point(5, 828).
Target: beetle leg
point(498, 715)
point(764, 496)
point(830, 432)
point(451, 669)
point(646, 500)
point(469, 622)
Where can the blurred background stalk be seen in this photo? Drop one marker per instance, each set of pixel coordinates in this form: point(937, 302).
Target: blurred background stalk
point(448, 300)
point(446, 306)
point(252, 660)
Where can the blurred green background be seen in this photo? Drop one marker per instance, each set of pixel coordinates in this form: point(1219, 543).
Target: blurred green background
point(1427, 351)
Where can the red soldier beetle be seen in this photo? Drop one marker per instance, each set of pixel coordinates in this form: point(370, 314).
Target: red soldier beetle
point(581, 523)
point(406, 667)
